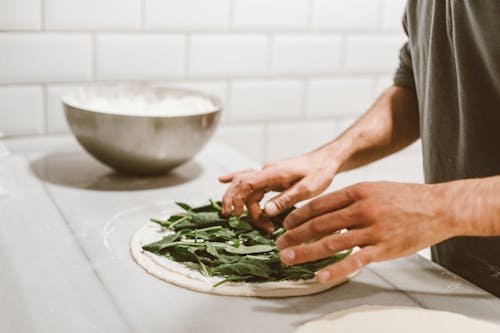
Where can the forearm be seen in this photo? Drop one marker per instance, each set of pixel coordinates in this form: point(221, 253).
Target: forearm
point(472, 206)
point(390, 125)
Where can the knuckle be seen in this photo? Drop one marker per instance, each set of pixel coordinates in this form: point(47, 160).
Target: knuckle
point(318, 226)
point(289, 237)
point(238, 200)
point(306, 189)
point(360, 190)
point(282, 202)
point(226, 200)
point(331, 244)
point(366, 258)
point(367, 211)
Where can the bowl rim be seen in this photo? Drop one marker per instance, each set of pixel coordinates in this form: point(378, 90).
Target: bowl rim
point(215, 100)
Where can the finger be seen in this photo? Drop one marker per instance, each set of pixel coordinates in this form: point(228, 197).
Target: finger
point(257, 219)
point(323, 248)
point(327, 203)
point(341, 270)
point(228, 200)
point(238, 205)
point(233, 202)
point(229, 177)
point(297, 192)
point(253, 205)
point(318, 227)
point(244, 186)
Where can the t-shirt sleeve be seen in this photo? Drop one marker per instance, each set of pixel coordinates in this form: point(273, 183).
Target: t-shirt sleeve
point(404, 74)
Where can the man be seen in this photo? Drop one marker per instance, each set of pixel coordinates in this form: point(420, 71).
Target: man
point(447, 92)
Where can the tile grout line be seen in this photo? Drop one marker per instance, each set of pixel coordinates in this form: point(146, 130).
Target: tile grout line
point(310, 14)
point(269, 55)
point(305, 98)
point(230, 18)
point(334, 75)
point(94, 56)
point(142, 19)
point(45, 109)
point(42, 15)
point(380, 14)
point(265, 141)
point(187, 55)
point(343, 54)
point(229, 90)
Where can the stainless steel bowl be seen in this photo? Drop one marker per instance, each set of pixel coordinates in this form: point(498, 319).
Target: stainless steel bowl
point(141, 145)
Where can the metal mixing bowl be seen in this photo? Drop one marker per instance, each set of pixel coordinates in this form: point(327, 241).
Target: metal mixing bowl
point(141, 145)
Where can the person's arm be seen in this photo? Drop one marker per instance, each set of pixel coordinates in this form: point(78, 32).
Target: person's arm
point(474, 206)
point(388, 220)
point(390, 125)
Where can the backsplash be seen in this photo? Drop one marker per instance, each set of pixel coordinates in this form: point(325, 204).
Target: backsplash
point(292, 74)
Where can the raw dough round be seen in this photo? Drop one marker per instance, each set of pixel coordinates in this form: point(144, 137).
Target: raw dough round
point(189, 277)
point(389, 319)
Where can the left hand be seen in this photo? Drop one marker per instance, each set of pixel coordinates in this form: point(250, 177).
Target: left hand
point(386, 220)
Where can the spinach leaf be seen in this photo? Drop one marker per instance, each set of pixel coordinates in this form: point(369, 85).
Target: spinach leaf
point(229, 247)
point(245, 266)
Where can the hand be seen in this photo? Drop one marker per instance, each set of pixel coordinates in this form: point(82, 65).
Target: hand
point(299, 178)
point(386, 220)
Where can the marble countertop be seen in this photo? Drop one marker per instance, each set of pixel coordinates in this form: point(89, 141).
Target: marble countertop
point(65, 224)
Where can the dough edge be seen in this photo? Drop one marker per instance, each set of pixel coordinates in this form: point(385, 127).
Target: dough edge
point(266, 289)
point(327, 322)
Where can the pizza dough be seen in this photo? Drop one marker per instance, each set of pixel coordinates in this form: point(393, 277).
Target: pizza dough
point(388, 319)
point(188, 276)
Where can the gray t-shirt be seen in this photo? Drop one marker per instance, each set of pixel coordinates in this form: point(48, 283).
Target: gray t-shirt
point(452, 61)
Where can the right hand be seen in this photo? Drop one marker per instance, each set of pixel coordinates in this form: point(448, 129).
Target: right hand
point(298, 178)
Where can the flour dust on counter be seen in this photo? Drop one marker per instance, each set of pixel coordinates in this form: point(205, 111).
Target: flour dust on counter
point(396, 319)
point(197, 249)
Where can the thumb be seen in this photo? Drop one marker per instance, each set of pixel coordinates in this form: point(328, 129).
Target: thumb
point(285, 200)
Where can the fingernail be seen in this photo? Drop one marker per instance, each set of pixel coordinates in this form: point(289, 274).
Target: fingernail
point(323, 276)
point(270, 209)
point(287, 255)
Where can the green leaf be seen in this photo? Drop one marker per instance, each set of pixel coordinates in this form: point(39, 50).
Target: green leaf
point(252, 249)
point(239, 224)
point(215, 205)
point(245, 267)
point(229, 247)
point(233, 278)
point(184, 206)
point(160, 222)
point(297, 273)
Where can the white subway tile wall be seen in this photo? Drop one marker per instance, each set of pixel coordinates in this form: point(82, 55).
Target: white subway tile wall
point(140, 57)
point(21, 109)
point(187, 15)
point(92, 14)
point(270, 15)
point(306, 54)
point(228, 55)
point(21, 15)
point(291, 74)
point(266, 100)
point(346, 15)
point(44, 57)
point(289, 139)
point(339, 96)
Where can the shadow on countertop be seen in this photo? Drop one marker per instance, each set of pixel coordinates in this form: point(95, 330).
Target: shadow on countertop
point(79, 170)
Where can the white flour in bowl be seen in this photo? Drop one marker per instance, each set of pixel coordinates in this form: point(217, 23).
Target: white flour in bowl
point(140, 100)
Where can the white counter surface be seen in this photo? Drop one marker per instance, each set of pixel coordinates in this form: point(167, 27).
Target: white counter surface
point(65, 224)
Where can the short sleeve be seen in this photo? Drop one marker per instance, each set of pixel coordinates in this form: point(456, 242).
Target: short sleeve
point(404, 74)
